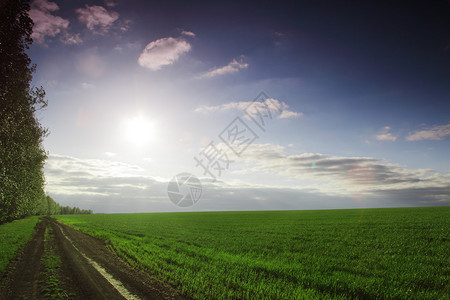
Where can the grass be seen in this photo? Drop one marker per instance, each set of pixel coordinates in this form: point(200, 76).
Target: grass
point(13, 236)
point(51, 262)
point(336, 254)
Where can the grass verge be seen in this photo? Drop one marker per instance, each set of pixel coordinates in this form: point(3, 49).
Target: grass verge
point(13, 236)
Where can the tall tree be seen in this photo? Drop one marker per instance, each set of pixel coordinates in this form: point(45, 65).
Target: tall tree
point(21, 153)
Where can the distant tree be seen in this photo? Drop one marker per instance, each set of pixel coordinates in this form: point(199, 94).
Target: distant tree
point(57, 209)
point(52, 208)
point(21, 153)
point(67, 210)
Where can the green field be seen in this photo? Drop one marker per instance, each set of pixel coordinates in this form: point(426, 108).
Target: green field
point(13, 236)
point(398, 253)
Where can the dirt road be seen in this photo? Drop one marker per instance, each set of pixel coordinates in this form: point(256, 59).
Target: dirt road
point(63, 263)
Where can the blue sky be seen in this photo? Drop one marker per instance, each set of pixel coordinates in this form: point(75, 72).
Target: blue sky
point(137, 89)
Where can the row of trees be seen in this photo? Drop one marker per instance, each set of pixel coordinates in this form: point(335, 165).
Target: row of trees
point(53, 208)
point(22, 155)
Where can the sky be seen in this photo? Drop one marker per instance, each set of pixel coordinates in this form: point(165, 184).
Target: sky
point(287, 105)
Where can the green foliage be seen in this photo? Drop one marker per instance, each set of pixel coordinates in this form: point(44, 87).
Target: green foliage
point(367, 254)
point(67, 210)
point(51, 262)
point(50, 207)
point(13, 236)
point(21, 153)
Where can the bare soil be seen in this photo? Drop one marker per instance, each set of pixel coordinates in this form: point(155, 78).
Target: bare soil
point(78, 276)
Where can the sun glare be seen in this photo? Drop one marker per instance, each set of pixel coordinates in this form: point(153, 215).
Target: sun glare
point(139, 130)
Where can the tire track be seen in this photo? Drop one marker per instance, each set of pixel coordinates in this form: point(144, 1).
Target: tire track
point(114, 282)
point(88, 270)
point(113, 279)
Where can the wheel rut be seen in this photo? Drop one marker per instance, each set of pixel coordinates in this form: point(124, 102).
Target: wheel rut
point(63, 263)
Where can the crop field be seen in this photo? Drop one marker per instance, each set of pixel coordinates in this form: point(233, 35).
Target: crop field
point(398, 253)
point(13, 236)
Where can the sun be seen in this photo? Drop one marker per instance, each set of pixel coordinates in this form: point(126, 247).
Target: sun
point(139, 130)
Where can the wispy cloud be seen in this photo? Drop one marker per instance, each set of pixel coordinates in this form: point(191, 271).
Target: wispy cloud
point(163, 52)
point(232, 67)
point(110, 3)
point(71, 39)
point(112, 186)
point(109, 154)
point(346, 175)
point(45, 23)
point(66, 174)
point(385, 135)
point(45, 5)
point(286, 114)
point(188, 33)
point(253, 108)
point(104, 185)
point(433, 133)
point(97, 18)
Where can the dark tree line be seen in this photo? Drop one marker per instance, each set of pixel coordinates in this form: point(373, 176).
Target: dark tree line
point(22, 155)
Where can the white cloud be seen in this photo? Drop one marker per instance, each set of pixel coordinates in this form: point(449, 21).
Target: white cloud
point(385, 135)
point(46, 24)
point(254, 108)
point(232, 67)
point(188, 33)
point(110, 154)
point(434, 133)
point(93, 167)
point(286, 114)
point(64, 172)
point(113, 187)
point(104, 185)
point(97, 18)
point(163, 52)
point(242, 105)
